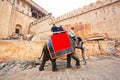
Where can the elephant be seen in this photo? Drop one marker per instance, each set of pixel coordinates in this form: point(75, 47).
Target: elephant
point(46, 55)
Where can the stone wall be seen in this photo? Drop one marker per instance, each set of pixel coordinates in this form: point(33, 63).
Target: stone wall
point(41, 26)
point(5, 16)
point(11, 16)
point(97, 19)
point(101, 18)
point(20, 18)
point(10, 50)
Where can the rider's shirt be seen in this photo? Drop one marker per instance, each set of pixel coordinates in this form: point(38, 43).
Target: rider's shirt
point(71, 33)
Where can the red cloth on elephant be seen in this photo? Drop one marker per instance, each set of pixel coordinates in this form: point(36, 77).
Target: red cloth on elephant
point(60, 41)
point(59, 45)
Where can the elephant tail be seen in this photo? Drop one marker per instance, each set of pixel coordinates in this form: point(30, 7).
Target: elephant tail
point(41, 55)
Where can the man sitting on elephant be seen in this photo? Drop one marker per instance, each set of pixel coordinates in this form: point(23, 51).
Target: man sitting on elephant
point(54, 28)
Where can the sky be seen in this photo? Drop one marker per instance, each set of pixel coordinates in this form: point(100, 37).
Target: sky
point(60, 7)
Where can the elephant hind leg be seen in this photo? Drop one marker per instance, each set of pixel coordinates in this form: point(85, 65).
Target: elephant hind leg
point(41, 68)
point(54, 65)
point(69, 61)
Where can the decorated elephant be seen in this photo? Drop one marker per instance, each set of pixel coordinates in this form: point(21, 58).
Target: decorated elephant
point(46, 55)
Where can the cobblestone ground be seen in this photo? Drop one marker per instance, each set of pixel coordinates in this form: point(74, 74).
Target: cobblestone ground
point(97, 68)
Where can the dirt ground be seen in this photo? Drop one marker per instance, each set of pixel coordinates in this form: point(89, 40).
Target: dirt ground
point(102, 67)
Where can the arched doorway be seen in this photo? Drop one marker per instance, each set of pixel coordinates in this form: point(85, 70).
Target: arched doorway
point(18, 29)
point(34, 13)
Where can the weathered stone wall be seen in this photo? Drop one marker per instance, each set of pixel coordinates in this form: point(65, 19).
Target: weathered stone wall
point(41, 26)
point(98, 48)
point(11, 16)
point(100, 18)
point(97, 19)
point(10, 50)
point(5, 16)
point(21, 19)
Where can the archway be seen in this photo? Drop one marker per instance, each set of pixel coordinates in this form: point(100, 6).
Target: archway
point(18, 29)
point(34, 15)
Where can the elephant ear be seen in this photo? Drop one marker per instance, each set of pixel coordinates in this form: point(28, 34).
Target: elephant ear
point(72, 42)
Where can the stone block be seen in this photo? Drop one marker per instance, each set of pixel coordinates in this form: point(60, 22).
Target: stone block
point(91, 48)
point(84, 9)
point(99, 4)
point(114, 0)
point(111, 48)
point(79, 11)
point(91, 6)
point(20, 50)
point(105, 2)
point(103, 46)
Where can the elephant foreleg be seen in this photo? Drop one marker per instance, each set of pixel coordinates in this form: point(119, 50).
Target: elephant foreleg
point(54, 66)
point(74, 56)
point(83, 55)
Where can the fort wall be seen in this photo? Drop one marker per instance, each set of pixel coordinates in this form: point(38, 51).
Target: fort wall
point(10, 50)
point(21, 19)
point(16, 15)
point(41, 26)
point(14, 50)
point(101, 18)
point(97, 19)
point(5, 15)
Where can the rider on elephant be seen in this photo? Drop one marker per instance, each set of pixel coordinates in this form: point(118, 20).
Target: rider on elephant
point(72, 34)
point(54, 28)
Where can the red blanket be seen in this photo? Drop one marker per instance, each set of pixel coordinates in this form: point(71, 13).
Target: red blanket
point(60, 41)
point(59, 45)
